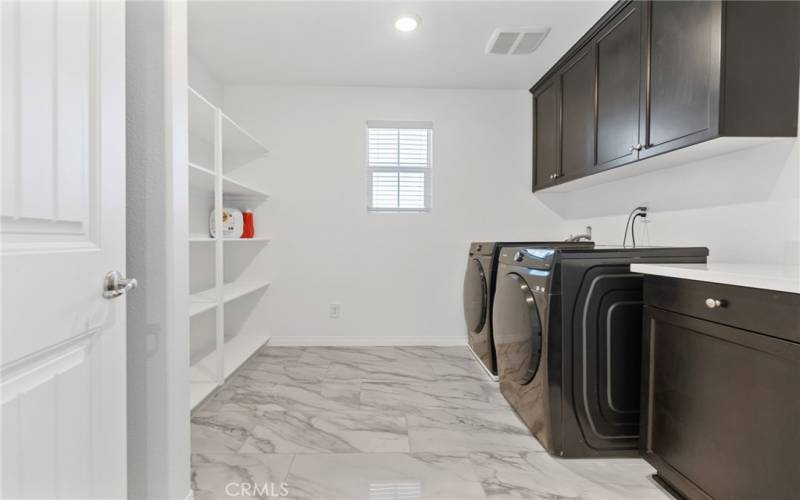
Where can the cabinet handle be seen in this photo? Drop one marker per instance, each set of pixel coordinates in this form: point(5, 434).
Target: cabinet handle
point(714, 303)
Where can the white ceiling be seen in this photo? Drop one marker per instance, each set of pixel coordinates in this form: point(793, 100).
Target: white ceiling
point(355, 43)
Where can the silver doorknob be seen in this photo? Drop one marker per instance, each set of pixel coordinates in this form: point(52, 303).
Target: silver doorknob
point(636, 147)
point(714, 303)
point(115, 284)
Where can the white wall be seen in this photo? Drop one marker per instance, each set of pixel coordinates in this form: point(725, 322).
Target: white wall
point(743, 205)
point(203, 81)
point(398, 277)
point(157, 255)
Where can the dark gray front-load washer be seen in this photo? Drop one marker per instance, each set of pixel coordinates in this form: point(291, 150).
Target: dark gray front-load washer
point(567, 326)
point(479, 287)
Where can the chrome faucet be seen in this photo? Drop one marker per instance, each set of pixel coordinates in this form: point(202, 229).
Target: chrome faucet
point(578, 237)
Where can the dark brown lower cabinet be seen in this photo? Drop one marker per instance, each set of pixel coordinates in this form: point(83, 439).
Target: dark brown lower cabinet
point(721, 405)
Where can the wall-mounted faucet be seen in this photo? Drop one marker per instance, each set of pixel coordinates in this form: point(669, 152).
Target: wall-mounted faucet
point(578, 237)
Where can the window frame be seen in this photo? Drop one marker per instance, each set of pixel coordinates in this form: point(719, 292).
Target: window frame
point(426, 171)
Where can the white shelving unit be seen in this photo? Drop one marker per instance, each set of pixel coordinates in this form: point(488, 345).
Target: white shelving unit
point(218, 146)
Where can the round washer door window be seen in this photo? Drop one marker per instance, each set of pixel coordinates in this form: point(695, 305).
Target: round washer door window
point(517, 330)
point(476, 296)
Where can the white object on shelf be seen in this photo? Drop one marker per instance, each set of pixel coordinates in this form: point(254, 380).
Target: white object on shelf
point(236, 351)
point(232, 223)
point(765, 276)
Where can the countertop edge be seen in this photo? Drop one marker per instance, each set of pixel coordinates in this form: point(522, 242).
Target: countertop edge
point(748, 280)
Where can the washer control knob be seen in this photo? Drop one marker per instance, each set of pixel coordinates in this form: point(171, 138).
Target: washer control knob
point(518, 257)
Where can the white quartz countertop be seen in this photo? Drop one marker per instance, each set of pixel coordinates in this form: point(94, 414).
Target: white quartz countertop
point(768, 277)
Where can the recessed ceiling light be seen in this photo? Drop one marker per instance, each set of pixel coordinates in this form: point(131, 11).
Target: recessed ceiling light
point(407, 23)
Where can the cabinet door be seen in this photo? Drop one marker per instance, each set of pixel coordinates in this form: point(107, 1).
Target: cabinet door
point(618, 52)
point(720, 408)
point(577, 115)
point(546, 134)
point(681, 100)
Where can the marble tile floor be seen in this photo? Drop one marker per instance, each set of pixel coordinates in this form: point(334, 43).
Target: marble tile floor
point(336, 423)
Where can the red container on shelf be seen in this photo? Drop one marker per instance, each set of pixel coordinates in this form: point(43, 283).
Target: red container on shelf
point(249, 230)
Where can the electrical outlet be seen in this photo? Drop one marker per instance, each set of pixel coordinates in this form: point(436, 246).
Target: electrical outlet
point(335, 310)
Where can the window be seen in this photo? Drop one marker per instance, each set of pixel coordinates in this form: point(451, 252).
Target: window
point(399, 166)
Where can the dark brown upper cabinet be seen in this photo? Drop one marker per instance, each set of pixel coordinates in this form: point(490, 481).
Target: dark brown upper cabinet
point(667, 75)
point(577, 115)
point(681, 96)
point(547, 133)
point(619, 74)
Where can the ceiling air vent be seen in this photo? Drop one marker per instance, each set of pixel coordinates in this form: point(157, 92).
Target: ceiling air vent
point(515, 41)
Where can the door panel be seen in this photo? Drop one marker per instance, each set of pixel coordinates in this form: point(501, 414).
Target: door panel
point(62, 227)
point(517, 330)
point(577, 127)
point(546, 134)
point(607, 357)
point(682, 98)
point(720, 419)
point(618, 52)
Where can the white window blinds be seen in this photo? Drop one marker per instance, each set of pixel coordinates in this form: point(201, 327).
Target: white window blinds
point(399, 166)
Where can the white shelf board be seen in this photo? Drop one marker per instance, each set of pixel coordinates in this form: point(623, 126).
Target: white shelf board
point(255, 239)
point(236, 189)
point(202, 301)
point(236, 350)
point(202, 179)
point(202, 238)
point(239, 147)
point(198, 391)
point(199, 304)
point(239, 348)
point(201, 117)
point(237, 289)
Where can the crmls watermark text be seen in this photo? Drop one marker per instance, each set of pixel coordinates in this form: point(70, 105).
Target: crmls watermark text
point(262, 490)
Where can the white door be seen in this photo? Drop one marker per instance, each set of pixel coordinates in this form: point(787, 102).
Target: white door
point(62, 228)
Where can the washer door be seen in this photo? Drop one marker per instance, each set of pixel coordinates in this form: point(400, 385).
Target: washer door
point(476, 296)
point(517, 330)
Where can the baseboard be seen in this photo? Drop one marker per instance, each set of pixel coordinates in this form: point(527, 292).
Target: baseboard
point(366, 341)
